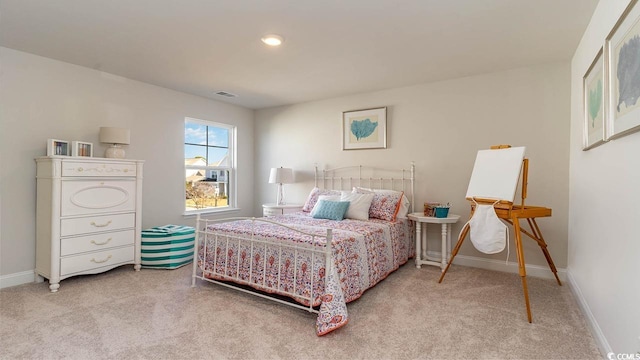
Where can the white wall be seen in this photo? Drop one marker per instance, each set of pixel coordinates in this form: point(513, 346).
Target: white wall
point(440, 126)
point(42, 98)
point(604, 246)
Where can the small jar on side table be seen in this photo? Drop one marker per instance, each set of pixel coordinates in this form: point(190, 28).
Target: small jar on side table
point(275, 209)
point(421, 243)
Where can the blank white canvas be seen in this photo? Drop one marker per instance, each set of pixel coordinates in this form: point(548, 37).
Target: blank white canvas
point(495, 173)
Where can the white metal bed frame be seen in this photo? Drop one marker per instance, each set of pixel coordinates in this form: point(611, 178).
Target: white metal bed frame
point(203, 228)
point(331, 176)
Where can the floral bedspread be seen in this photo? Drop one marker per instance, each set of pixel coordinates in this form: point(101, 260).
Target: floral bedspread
point(363, 254)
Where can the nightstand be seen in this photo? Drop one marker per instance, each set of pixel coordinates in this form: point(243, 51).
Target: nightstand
point(275, 209)
point(421, 244)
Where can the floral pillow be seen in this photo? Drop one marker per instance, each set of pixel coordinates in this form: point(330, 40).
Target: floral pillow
point(384, 206)
point(313, 197)
point(405, 204)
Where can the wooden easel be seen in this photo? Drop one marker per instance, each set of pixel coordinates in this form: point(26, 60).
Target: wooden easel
point(512, 214)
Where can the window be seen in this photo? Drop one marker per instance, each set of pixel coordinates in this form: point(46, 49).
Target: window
point(209, 153)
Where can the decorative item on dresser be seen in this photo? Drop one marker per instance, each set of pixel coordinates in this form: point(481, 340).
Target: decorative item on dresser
point(275, 209)
point(115, 136)
point(81, 148)
point(88, 216)
point(58, 147)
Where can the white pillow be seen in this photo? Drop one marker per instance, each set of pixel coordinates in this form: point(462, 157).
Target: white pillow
point(359, 205)
point(404, 203)
point(324, 197)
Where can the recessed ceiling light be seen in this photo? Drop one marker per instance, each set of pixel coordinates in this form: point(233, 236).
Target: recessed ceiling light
point(272, 40)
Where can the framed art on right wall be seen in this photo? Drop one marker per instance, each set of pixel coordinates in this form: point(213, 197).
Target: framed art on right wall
point(593, 88)
point(622, 49)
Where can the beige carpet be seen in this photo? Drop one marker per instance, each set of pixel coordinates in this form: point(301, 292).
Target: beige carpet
point(155, 314)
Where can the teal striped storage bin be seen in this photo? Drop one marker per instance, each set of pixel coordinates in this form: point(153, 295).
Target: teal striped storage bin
point(167, 247)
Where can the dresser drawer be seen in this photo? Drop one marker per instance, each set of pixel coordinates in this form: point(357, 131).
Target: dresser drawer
point(95, 242)
point(94, 197)
point(79, 168)
point(92, 224)
point(95, 260)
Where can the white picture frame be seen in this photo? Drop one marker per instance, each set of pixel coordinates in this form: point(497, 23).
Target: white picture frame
point(82, 149)
point(57, 147)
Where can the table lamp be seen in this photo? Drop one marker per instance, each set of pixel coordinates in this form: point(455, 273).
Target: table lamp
point(116, 137)
point(280, 176)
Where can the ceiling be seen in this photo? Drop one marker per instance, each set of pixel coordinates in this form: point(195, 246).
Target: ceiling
point(332, 47)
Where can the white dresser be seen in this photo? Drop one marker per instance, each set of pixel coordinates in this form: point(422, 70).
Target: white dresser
point(88, 216)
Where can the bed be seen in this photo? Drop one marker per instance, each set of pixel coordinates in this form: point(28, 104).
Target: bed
point(311, 261)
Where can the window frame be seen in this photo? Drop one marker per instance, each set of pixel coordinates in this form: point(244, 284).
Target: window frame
point(232, 199)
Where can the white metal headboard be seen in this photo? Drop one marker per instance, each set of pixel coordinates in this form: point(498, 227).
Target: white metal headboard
point(347, 177)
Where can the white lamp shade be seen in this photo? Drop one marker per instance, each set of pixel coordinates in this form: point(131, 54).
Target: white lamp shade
point(115, 135)
point(281, 176)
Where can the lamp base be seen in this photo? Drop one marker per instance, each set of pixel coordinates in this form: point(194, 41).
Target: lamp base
point(114, 152)
point(280, 195)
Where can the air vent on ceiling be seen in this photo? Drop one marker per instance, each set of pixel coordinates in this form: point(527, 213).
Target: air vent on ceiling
point(226, 94)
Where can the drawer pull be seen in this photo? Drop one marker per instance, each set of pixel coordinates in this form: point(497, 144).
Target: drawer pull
point(101, 261)
point(101, 243)
point(101, 225)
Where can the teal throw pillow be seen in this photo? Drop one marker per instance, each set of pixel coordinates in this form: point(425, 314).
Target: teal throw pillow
point(332, 210)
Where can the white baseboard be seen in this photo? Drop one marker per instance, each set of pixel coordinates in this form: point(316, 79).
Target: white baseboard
point(596, 331)
point(499, 265)
point(14, 279)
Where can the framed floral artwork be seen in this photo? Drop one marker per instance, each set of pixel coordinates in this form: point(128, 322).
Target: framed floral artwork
point(622, 61)
point(593, 95)
point(364, 129)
